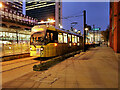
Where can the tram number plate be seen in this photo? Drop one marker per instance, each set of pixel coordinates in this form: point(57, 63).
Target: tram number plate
point(38, 51)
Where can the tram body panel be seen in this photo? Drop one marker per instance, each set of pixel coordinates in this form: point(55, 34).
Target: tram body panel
point(55, 48)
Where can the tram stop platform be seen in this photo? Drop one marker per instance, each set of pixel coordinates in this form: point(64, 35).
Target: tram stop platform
point(95, 68)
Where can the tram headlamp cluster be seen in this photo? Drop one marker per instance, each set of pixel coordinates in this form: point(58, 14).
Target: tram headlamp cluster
point(30, 48)
point(41, 49)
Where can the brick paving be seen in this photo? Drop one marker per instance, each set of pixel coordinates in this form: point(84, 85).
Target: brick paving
point(96, 68)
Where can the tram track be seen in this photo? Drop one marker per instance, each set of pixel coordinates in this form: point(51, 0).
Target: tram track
point(18, 67)
point(19, 61)
point(16, 64)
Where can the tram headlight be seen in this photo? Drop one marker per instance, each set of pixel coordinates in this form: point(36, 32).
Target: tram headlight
point(30, 48)
point(41, 49)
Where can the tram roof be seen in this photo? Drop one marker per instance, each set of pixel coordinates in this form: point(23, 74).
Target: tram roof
point(53, 28)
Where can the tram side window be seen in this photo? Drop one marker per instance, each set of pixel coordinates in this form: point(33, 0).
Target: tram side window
point(47, 38)
point(55, 37)
point(73, 39)
point(78, 39)
point(69, 38)
point(51, 37)
point(65, 38)
point(32, 40)
point(60, 38)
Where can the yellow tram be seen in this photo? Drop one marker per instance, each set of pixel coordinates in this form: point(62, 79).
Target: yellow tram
point(48, 41)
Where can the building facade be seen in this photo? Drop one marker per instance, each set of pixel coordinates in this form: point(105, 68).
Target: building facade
point(114, 35)
point(15, 6)
point(93, 37)
point(14, 26)
point(43, 10)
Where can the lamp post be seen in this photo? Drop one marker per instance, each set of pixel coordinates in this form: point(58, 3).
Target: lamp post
point(84, 32)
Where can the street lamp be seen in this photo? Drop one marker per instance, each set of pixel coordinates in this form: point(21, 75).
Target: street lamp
point(86, 29)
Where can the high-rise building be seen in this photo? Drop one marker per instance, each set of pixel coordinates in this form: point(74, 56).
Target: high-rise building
point(15, 6)
point(14, 26)
point(43, 10)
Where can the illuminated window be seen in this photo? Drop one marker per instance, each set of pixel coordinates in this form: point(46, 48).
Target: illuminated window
point(10, 35)
point(10, 15)
point(51, 35)
point(65, 37)
point(6, 14)
point(78, 39)
point(0, 34)
point(7, 34)
point(14, 16)
point(18, 17)
point(60, 38)
point(73, 39)
point(3, 34)
point(14, 36)
point(69, 38)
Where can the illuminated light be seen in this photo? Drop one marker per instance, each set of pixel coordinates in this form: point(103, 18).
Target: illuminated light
point(48, 19)
point(60, 26)
point(37, 29)
point(70, 44)
point(41, 6)
point(74, 44)
point(55, 44)
point(1, 5)
point(75, 30)
point(9, 47)
point(52, 21)
point(86, 29)
point(42, 21)
point(41, 49)
point(78, 44)
point(30, 48)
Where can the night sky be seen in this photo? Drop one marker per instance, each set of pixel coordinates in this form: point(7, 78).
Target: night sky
point(97, 14)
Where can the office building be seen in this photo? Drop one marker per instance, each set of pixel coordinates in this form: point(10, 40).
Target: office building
point(15, 6)
point(43, 10)
point(93, 37)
